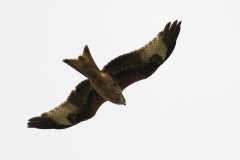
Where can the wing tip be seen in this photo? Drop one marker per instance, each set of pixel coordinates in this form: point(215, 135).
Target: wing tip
point(171, 32)
point(177, 22)
point(170, 35)
point(42, 122)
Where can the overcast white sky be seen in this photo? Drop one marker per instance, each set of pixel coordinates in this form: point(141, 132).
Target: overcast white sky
point(189, 109)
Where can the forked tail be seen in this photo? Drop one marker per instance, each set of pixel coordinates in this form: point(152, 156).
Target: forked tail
point(84, 64)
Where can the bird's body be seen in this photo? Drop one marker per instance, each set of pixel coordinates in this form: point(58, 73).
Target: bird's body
point(108, 89)
point(107, 84)
point(103, 83)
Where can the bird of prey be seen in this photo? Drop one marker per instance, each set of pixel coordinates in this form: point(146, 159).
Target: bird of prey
point(107, 84)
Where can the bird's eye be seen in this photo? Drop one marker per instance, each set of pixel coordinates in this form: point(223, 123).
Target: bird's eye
point(95, 78)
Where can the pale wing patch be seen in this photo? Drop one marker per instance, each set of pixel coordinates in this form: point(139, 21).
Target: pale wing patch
point(156, 46)
point(60, 113)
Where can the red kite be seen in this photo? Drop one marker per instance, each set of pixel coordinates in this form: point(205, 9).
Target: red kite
point(107, 84)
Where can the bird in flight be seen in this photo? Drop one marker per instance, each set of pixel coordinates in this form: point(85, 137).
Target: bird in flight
point(107, 84)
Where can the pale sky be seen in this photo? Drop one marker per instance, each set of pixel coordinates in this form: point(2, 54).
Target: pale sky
point(189, 109)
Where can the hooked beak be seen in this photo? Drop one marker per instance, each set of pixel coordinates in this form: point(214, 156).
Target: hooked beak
point(124, 101)
point(121, 100)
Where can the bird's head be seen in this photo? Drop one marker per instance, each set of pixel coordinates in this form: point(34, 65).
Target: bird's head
point(121, 100)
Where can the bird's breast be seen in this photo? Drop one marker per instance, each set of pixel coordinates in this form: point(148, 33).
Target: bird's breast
point(106, 87)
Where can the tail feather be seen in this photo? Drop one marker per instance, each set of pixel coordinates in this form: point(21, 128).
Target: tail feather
point(84, 64)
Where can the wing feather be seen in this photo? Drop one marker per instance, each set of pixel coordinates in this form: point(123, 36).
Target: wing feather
point(81, 104)
point(140, 64)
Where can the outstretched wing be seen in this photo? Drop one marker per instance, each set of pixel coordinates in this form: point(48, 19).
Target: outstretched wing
point(80, 105)
point(142, 63)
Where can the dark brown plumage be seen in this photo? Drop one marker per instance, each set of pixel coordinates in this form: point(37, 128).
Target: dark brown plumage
point(84, 101)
